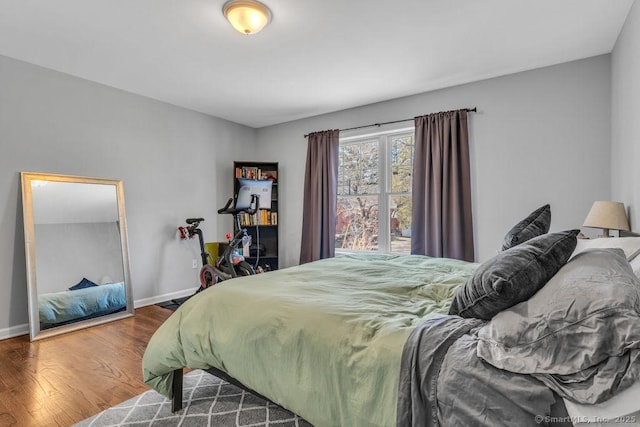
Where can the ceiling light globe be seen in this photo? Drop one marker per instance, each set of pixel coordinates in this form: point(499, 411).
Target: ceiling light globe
point(247, 16)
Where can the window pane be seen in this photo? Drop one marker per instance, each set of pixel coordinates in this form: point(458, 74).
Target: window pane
point(357, 223)
point(358, 168)
point(401, 163)
point(400, 223)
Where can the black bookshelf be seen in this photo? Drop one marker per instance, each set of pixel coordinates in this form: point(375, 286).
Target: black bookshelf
point(263, 225)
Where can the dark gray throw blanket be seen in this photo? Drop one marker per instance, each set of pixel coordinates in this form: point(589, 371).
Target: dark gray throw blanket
point(443, 382)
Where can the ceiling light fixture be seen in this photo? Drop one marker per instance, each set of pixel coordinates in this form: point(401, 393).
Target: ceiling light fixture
point(247, 16)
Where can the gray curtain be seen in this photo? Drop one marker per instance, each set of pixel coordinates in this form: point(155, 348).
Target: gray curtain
point(320, 196)
point(441, 217)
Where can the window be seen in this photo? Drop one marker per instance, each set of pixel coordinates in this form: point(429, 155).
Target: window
point(374, 192)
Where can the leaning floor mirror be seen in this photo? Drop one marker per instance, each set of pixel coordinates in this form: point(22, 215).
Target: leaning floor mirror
point(76, 250)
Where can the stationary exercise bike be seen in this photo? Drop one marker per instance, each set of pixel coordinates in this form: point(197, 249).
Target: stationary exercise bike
point(230, 263)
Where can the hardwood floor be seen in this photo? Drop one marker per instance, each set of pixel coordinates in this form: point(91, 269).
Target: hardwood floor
point(62, 380)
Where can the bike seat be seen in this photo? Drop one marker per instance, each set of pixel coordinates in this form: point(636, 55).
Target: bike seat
point(194, 220)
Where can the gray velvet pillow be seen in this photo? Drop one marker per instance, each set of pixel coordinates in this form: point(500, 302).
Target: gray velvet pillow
point(513, 276)
point(535, 224)
point(588, 312)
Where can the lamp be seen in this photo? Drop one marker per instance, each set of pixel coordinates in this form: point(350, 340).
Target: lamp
point(607, 215)
point(247, 16)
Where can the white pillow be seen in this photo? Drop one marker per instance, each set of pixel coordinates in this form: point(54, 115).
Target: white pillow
point(623, 405)
point(630, 246)
point(635, 265)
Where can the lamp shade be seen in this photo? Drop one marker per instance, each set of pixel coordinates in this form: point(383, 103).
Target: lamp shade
point(247, 16)
point(608, 216)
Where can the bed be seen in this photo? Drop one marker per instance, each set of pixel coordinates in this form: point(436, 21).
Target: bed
point(377, 339)
point(61, 308)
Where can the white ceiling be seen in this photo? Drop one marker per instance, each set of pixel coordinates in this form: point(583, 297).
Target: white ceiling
point(316, 56)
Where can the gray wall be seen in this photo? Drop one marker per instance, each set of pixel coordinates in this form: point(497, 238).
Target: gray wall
point(625, 117)
point(174, 164)
point(541, 136)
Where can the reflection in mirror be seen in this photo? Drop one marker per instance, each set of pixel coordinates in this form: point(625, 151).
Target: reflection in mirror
point(77, 252)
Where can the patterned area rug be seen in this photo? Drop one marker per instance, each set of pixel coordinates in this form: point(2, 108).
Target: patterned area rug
point(208, 401)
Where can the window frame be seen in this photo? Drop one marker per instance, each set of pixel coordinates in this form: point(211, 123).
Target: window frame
point(384, 139)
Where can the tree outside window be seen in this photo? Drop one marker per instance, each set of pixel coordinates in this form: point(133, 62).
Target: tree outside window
point(374, 193)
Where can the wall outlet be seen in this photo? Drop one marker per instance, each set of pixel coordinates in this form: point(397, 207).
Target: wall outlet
point(194, 263)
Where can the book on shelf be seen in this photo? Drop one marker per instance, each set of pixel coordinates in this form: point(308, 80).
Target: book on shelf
point(251, 172)
point(262, 217)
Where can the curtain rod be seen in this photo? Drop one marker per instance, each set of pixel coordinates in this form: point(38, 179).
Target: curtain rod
point(472, 110)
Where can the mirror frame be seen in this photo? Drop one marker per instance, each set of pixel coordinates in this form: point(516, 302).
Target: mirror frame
point(30, 254)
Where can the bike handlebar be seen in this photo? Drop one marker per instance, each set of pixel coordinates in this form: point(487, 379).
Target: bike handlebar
point(226, 207)
point(255, 201)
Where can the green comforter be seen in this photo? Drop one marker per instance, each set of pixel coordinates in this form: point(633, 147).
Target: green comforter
point(323, 339)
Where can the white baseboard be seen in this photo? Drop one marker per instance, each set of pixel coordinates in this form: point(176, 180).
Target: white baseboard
point(17, 330)
point(162, 298)
point(14, 331)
